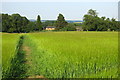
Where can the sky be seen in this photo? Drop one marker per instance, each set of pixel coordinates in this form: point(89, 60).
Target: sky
point(59, 0)
point(70, 10)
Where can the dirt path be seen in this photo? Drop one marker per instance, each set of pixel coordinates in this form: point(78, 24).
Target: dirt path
point(27, 53)
point(28, 58)
point(27, 49)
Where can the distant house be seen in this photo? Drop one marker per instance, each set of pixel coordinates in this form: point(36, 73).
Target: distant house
point(50, 28)
point(79, 28)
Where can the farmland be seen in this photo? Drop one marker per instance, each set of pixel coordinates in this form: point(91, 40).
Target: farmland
point(9, 43)
point(67, 54)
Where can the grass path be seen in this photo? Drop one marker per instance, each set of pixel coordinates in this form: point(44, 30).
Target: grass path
point(27, 51)
point(28, 61)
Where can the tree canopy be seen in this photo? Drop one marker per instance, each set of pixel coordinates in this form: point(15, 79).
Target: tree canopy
point(60, 23)
point(94, 23)
point(38, 24)
point(16, 23)
point(92, 12)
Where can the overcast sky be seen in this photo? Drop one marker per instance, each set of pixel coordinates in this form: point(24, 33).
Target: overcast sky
point(50, 10)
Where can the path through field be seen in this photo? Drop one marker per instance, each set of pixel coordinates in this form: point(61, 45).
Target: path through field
point(60, 55)
point(27, 51)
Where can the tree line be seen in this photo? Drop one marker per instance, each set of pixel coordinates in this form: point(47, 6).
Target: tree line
point(16, 23)
point(94, 23)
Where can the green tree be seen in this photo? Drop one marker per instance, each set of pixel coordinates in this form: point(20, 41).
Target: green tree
point(69, 27)
point(14, 23)
point(6, 23)
point(24, 24)
point(92, 12)
point(38, 24)
point(114, 25)
point(89, 23)
point(103, 18)
point(30, 27)
point(48, 23)
point(60, 23)
point(94, 23)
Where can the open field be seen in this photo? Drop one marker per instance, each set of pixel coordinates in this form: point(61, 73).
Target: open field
point(67, 54)
point(9, 44)
point(74, 54)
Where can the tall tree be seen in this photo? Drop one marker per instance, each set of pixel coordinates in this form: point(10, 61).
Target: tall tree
point(38, 24)
point(92, 12)
point(91, 20)
point(94, 23)
point(103, 18)
point(60, 23)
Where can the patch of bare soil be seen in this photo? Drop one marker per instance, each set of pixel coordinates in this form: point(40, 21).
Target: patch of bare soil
point(36, 77)
point(27, 50)
point(27, 53)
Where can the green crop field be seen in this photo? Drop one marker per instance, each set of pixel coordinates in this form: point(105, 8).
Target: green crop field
point(9, 43)
point(73, 54)
point(66, 54)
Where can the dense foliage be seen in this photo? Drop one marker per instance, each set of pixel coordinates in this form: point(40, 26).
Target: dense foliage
point(60, 23)
point(94, 23)
point(69, 27)
point(38, 24)
point(17, 24)
point(14, 23)
point(48, 23)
